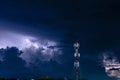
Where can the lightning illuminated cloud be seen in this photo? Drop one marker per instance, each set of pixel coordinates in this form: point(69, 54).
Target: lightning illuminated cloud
point(34, 50)
point(111, 65)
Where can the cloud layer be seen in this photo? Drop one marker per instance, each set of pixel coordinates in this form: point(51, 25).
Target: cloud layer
point(34, 49)
point(111, 65)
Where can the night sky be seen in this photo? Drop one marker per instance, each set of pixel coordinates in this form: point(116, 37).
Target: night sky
point(37, 36)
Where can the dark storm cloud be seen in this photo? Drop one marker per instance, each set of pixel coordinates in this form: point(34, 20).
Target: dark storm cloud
point(14, 66)
point(30, 18)
point(11, 63)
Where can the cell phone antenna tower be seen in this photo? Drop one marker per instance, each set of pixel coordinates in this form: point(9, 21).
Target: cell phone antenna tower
point(76, 62)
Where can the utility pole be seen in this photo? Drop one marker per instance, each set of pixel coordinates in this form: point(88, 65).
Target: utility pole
point(76, 62)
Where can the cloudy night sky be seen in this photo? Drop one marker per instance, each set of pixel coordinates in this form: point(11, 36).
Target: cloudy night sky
point(37, 37)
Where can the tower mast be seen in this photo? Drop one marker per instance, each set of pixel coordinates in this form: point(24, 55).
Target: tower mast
point(76, 62)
